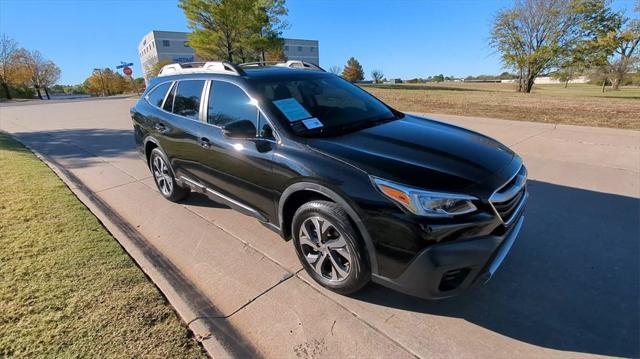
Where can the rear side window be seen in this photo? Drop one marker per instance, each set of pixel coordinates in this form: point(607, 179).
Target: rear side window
point(187, 98)
point(228, 103)
point(157, 95)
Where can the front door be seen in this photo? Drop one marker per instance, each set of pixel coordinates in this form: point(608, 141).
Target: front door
point(238, 168)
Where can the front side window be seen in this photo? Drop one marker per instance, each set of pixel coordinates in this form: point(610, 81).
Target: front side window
point(157, 95)
point(187, 98)
point(228, 103)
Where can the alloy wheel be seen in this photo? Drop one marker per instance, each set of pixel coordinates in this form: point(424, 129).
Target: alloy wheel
point(325, 249)
point(162, 175)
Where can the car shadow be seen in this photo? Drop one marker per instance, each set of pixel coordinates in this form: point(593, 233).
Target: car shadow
point(571, 281)
point(82, 147)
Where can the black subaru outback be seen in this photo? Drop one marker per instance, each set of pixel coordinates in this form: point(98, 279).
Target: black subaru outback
point(365, 192)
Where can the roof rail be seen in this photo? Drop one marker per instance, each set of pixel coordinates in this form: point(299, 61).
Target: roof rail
point(221, 67)
point(290, 63)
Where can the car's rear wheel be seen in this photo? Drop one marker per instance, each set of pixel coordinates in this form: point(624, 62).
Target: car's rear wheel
point(329, 247)
point(164, 177)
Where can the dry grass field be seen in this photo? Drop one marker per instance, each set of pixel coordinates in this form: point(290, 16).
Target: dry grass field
point(579, 104)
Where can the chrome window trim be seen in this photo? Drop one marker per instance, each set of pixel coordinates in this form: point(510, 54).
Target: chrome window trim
point(146, 97)
point(175, 83)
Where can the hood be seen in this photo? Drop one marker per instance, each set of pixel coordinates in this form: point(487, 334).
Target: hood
point(422, 153)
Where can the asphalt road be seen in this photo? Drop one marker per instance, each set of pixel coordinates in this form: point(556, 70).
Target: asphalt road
point(569, 287)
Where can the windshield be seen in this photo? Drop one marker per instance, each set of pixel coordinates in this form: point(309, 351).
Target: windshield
point(322, 104)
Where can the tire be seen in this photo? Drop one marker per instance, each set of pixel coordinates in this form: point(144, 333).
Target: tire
point(339, 251)
point(164, 178)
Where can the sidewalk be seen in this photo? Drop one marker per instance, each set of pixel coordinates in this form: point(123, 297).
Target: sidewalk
point(241, 289)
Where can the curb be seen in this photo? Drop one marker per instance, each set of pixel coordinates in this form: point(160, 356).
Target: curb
point(207, 324)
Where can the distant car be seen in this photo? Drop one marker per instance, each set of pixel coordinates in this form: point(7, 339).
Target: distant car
point(364, 191)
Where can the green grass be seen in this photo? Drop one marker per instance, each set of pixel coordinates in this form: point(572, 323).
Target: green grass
point(67, 288)
point(578, 104)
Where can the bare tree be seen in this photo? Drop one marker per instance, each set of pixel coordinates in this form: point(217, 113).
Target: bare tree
point(49, 75)
point(626, 53)
point(377, 76)
point(533, 36)
point(335, 69)
point(8, 49)
point(35, 62)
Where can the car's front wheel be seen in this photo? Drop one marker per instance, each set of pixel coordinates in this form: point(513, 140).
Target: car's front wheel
point(164, 178)
point(329, 247)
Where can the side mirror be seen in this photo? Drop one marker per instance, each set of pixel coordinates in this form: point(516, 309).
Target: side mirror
point(239, 129)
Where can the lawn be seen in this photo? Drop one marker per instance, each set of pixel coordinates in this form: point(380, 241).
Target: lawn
point(579, 104)
point(67, 288)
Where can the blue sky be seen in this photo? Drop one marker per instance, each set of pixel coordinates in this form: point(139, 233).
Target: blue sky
point(404, 39)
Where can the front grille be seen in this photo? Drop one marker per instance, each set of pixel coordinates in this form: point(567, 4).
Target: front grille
point(507, 198)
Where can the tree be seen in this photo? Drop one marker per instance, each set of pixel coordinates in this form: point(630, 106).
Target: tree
point(566, 73)
point(275, 54)
point(353, 71)
point(228, 29)
point(336, 70)
point(263, 30)
point(106, 82)
point(535, 35)
point(13, 70)
point(377, 76)
point(625, 54)
point(155, 70)
point(438, 78)
point(42, 72)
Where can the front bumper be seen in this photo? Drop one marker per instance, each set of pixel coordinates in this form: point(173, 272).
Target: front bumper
point(446, 270)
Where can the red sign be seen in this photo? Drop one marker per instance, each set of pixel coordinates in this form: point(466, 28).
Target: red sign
point(127, 70)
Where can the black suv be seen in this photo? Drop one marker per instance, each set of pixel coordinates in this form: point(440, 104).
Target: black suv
point(365, 192)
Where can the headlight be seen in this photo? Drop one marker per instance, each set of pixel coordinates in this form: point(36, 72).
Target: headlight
point(426, 203)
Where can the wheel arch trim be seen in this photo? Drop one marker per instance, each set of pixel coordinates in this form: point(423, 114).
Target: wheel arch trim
point(340, 200)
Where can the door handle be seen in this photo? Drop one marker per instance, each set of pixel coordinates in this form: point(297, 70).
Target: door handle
point(205, 143)
point(160, 127)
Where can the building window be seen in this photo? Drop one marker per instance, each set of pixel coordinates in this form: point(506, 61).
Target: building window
point(286, 48)
point(299, 48)
point(311, 48)
point(186, 44)
point(165, 43)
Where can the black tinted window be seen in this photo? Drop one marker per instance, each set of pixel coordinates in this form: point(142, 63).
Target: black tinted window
point(228, 103)
point(187, 98)
point(157, 95)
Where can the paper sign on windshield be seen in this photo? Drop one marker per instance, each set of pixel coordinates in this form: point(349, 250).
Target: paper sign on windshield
point(292, 109)
point(312, 123)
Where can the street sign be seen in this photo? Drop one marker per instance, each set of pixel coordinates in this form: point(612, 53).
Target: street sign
point(124, 64)
point(127, 70)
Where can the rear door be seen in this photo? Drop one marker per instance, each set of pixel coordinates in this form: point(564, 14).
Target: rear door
point(178, 130)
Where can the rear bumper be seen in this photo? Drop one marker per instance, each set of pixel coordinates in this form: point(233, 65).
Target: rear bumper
point(448, 269)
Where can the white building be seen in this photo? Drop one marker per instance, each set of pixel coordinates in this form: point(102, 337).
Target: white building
point(172, 45)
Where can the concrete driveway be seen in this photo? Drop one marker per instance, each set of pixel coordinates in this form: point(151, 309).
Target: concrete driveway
point(569, 287)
